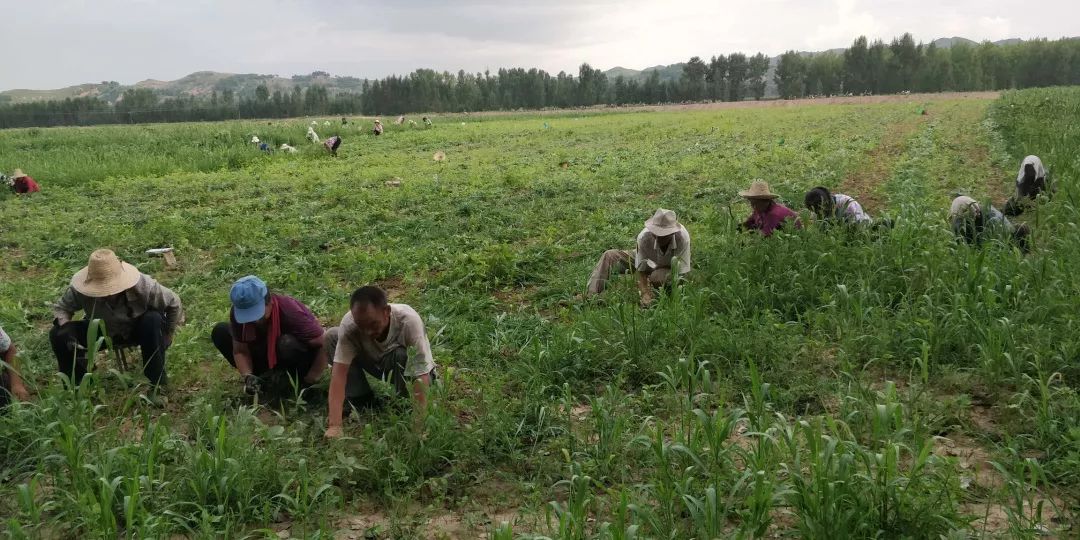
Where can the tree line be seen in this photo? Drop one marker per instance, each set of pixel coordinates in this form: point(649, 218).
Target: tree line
point(904, 66)
point(864, 68)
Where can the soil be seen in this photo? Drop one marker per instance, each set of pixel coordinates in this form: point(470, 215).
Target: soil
point(880, 162)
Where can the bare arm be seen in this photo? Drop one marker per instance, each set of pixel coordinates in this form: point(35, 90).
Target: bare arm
point(339, 375)
point(242, 357)
point(421, 385)
point(644, 289)
point(319, 365)
point(17, 387)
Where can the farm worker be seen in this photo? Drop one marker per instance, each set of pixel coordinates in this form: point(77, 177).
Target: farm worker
point(381, 339)
point(269, 333)
point(344, 120)
point(768, 215)
point(1030, 182)
point(662, 246)
point(285, 147)
point(21, 183)
point(974, 224)
point(311, 135)
point(378, 128)
point(400, 120)
point(332, 145)
point(11, 384)
point(838, 207)
point(427, 122)
point(136, 310)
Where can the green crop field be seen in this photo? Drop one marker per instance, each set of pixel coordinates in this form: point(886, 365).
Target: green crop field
point(816, 384)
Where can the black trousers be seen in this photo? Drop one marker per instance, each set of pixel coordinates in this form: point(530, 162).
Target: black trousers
point(148, 333)
point(293, 356)
point(5, 388)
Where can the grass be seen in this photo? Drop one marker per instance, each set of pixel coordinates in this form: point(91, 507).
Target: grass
point(837, 385)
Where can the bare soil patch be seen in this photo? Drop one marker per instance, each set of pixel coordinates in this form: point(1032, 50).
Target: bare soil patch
point(866, 182)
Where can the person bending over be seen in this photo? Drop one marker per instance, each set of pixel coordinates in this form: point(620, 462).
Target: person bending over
point(662, 245)
point(384, 340)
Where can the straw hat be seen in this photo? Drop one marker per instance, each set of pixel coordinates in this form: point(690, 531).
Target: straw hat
point(105, 275)
point(663, 223)
point(18, 173)
point(759, 189)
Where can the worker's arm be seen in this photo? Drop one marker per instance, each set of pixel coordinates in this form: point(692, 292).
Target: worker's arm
point(644, 289)
point(319, 365)
point(339, 375)
point(65, 308)
point(242, 357)
point(421, 385)
point(17, 388)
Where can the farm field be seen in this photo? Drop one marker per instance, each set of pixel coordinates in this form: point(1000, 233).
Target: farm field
point(814, 384)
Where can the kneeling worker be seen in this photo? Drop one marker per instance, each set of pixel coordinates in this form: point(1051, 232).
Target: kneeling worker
point(11, 384)
point(270, 333)
point(663, 242)
point(136, 309)
point(375, 337)
point(767, 215)
point(974, 225)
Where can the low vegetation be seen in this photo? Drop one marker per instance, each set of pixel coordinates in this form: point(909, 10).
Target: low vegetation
point(816, 384)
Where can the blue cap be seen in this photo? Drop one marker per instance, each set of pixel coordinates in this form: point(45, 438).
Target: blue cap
point(248, 297)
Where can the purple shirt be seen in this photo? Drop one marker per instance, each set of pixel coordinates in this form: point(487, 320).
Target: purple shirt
point(771, 219)
point(296, 320)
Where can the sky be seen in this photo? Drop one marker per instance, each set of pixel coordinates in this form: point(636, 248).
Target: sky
point(56, 43)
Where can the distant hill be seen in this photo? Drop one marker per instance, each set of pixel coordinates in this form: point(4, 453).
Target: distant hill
point(204, 83)
point(198, 84)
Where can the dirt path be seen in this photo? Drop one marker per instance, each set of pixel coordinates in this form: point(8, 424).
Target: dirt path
point(765, 103)
point(865, 183)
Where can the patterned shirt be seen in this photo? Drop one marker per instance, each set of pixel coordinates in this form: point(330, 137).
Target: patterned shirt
point(848, 209)
point(5, 341)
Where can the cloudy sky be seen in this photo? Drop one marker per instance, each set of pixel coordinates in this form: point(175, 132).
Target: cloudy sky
point(55, 43)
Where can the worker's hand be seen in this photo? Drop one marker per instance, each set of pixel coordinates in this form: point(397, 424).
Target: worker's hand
point(20, 393)
point(252, 384)
point(646, 298)
point(333, 432)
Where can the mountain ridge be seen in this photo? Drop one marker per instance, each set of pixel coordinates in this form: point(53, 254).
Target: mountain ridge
point(204, 83)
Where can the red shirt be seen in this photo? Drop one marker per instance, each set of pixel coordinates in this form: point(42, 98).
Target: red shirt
point(772, 219)
point(25, 184)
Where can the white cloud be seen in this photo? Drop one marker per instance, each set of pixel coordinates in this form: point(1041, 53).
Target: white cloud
point(64, 42)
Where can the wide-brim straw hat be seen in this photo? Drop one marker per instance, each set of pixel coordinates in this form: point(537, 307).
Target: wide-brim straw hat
point(663, 223)
point(18, 173)
point(105, 275)
point(759, 189)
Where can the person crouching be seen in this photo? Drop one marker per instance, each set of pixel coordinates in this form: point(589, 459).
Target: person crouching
point(270, 334)
point(663, 244)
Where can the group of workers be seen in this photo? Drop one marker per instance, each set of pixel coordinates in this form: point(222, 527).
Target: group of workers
point(662, 253)
point(272, 336)
point(269, 336)
point(331, 144)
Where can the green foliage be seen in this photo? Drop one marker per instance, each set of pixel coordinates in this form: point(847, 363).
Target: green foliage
point(801, 385)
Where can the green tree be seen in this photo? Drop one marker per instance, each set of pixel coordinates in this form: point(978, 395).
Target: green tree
point(693, 78)
point(757, 69)
point(791, 74)
point(738, 69)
